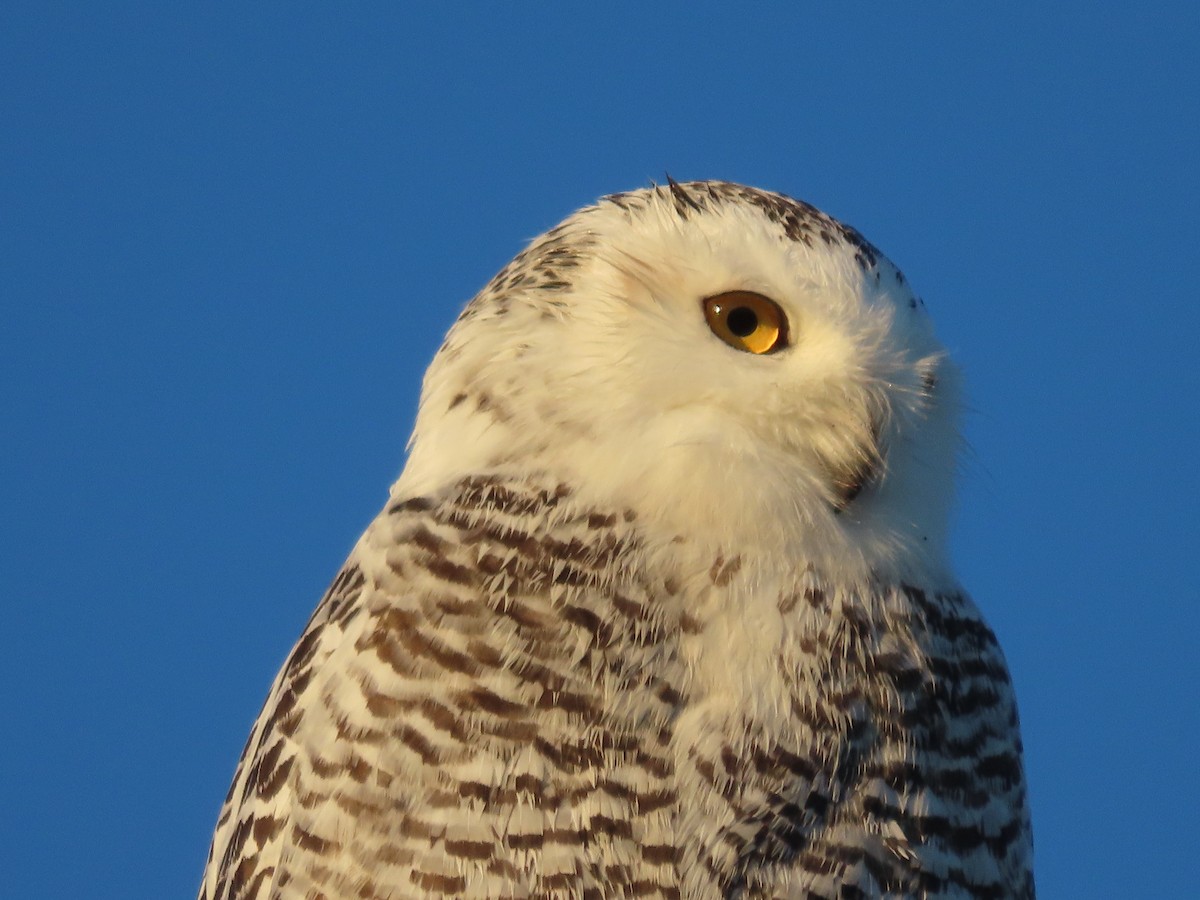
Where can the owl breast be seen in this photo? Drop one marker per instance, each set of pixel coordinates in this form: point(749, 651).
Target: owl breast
point(518, 713)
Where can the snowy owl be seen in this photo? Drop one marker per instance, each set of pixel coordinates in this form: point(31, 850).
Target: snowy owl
point(660, 605)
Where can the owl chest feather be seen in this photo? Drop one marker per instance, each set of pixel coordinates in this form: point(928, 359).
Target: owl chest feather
point(537, 704)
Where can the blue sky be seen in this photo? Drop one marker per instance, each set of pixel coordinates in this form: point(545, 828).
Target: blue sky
point(232, 236)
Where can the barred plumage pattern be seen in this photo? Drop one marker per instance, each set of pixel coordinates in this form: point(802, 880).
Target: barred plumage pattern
point(508, 692)
point(463, 658)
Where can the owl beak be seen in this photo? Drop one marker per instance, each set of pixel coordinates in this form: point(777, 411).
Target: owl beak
point(848, 481)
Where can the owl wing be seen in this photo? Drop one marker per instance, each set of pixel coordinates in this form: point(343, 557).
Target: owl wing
point(439, 728)
point(975, 809)
point(256, 826)
point(932, 802)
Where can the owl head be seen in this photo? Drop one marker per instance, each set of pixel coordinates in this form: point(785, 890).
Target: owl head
point(723, 363)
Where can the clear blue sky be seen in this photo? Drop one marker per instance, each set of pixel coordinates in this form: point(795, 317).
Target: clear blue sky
point(232, 236)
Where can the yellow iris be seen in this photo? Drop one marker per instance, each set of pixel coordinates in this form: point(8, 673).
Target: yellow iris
point(747, 321)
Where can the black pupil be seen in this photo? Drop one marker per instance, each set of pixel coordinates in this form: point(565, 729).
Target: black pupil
point(742, 321)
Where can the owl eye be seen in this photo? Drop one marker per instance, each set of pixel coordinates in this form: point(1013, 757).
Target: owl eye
point(747, 321)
